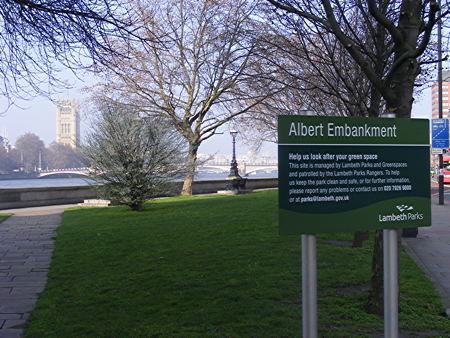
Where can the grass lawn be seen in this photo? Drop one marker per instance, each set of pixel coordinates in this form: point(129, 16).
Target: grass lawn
point(210, 266)
point(4, 216)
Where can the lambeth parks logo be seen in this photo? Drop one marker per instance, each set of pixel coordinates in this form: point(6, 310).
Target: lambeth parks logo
point(406, 214)
point(403, 207)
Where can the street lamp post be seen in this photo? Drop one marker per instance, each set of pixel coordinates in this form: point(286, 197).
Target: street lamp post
point(234, 171)
point(236, 183)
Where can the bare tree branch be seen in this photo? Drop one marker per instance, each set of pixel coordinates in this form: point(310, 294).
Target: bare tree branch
point(39, 38)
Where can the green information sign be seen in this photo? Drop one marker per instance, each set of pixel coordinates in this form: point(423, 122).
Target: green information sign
point(352, 174)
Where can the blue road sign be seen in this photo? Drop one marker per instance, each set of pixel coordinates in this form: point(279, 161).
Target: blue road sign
point(439, 133)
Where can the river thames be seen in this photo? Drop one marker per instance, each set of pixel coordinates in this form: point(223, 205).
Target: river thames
point(79, 181)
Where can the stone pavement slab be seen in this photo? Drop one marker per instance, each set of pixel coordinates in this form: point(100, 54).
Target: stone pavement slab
point(431, 250)
point(26, 248)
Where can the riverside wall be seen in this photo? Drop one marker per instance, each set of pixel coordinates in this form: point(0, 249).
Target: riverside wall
point(32, 197)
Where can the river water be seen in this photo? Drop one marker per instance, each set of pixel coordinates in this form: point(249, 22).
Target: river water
point(43, 183)
point(71, 182)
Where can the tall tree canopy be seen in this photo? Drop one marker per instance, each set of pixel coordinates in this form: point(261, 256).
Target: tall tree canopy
point(31, 149)
point(60, 156)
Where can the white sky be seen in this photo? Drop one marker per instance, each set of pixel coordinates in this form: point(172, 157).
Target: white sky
point(38, 117)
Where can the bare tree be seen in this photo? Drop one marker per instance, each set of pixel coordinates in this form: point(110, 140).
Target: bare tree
point(196, 75)
point(317, 76)
point(60, 156)
point(37, 38)
point(320, 78)
point(389, 43)
point(132, 158)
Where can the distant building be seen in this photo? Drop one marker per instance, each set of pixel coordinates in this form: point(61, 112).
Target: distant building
point(445, 97)
point(68, 122)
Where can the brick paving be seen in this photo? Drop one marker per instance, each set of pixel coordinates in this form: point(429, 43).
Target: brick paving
point(26, 248)
point(431, 250)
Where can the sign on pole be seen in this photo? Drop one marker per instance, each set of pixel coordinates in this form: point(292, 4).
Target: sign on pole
point(352, 174)
point(439, 133)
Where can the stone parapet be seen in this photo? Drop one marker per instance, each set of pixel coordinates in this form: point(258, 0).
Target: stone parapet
point(32, 197)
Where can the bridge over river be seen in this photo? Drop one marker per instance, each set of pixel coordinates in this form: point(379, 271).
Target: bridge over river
point(216, 167)
point(244, 168)
point(67, 171)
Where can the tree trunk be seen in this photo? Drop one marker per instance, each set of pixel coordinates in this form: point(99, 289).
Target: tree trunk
point(376, 292)
point(190, 170)
point(402, 99)
point(401, 82)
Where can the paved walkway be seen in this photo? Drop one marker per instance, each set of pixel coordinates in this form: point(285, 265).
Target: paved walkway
point(26, 247)
point(431, 250)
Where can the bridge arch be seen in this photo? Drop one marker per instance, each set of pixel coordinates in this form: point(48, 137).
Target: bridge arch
point(213, 167)
point(265, 169)
point(62, 172)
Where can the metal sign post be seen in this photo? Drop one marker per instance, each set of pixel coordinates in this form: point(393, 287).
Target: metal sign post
point(390, 267)
point(309, 286)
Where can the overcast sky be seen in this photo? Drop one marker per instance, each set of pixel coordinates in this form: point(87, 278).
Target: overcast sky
point(38, 116)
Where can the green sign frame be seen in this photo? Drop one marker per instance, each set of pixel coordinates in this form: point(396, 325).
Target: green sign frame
point(352, 174)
